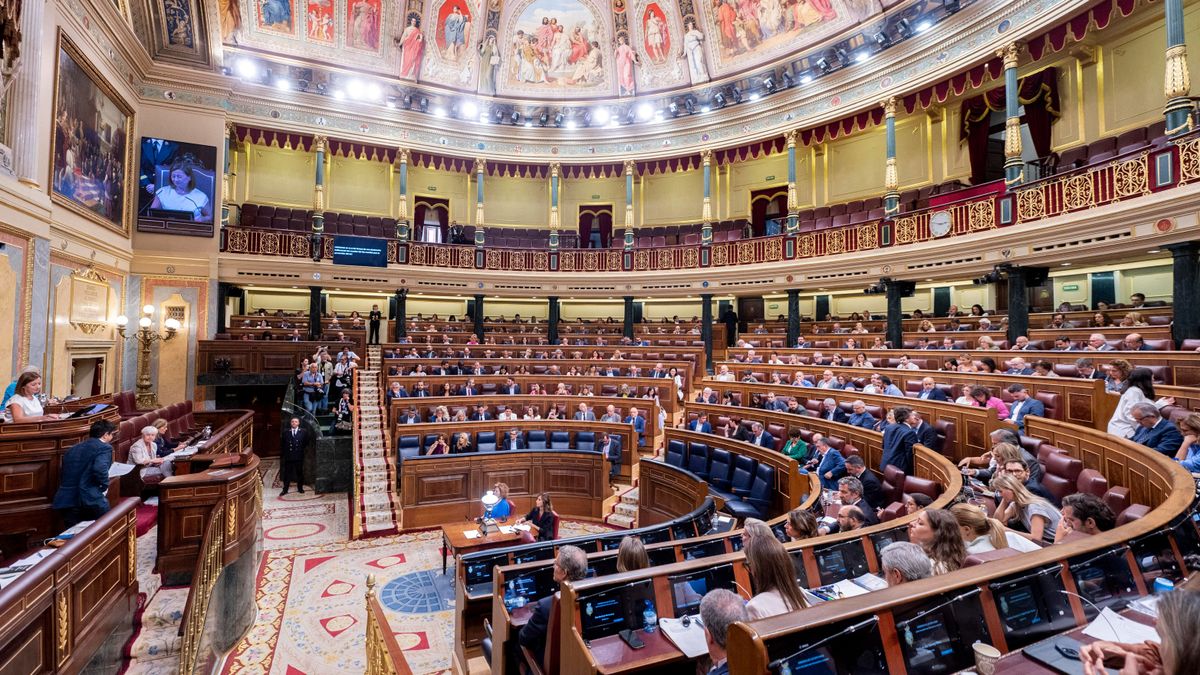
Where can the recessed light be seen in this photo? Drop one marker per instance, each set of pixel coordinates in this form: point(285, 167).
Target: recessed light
point(570, 124)
point(439, 112)
point(923, 26)
point(754, 96)
point(1154, 250)
point(1066, 264)
point(282, 84)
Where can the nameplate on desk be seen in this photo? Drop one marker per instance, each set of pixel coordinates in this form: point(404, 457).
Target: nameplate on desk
point(472, 534)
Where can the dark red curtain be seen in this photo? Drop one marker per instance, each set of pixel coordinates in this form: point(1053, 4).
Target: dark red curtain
point(418, 222)
point(1037, 92)
point(585, 228)
point(760, 205)
point(443, 215)
point(606, 224)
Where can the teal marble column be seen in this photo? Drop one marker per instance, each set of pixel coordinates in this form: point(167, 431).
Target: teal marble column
point(1176, 84)
point(1014, 166)
point(403, 225)
point(891, 180)
point(629, 167)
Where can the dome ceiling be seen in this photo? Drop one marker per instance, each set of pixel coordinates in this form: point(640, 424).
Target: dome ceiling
point(555, 50)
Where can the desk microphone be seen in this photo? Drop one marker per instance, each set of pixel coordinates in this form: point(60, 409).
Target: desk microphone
point(1094, 606)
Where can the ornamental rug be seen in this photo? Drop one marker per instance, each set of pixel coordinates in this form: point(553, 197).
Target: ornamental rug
point(295, 519)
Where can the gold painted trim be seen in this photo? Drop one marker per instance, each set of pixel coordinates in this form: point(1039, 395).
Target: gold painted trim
point(66, 44)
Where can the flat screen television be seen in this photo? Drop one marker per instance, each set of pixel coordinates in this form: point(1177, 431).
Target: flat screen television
point(703, 549)
point(177, 187)
point(1155, 557)
point(1032, 606)
point(661, 556)
point(655, 535)
point(531, 554)
point(844, 560)
point(688, 589)
point(602, 566)
point(611, 610)
point(684, 530)
point(477, 571)
point(1106, 580)
point(360, 251)
point(936, 634)
point(528, 586)
point(842, 648)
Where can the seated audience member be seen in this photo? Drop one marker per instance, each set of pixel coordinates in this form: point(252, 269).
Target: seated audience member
point(1043, 368)
point(827, 462)
point(541, 516)
point(795, 447)
point(773, 577)
point(1017, 503)
point(1137, 388)
point(981, 396)
point(850, 491)
point(639, 425)
point(144, 454)
point(801, 524)
point(1017, 366)
point(1085, 369)
point(163, 446)
point(936, 531)
point(860, 417)
point(982, 534)
point(760, 436)
point(503, 508)
point(1019, 469)
point(610, 414)
point(930, 391)
point(926, 434)
point(1178, 654)
point(720, 609)
point(439, 446)
point(1188, 454)
point(569, 565)
point(24, 405)
point(872, 489)
point(889, 388)
point(1153, 431)
point(904, 561)
point(1098, 343)
point(1086, 514)
point(513, 440)
point(1023, 406)
point(915, 502)
point(631, 555)
point(830, 411)
point(848, 519)
point(83, 476)
point(395, 391)
point(700, 424)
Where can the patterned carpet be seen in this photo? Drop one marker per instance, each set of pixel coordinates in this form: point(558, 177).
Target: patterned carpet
point(311, 588)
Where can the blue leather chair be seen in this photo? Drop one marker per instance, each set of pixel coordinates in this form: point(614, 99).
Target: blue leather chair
point(586, 440)
point(742, 478)
point(536, 440)
point(719, 468)
point(560, 440)
point(485, 441)
point(675, 453)
point(698, 459)
point(409, 446)
point(754, 502)
point(429, 439)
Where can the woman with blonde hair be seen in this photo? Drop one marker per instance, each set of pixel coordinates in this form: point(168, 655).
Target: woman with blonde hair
point(926, 327)
point(632, 555)
point(982, 534)
point(1038, 516)
point(754, 528)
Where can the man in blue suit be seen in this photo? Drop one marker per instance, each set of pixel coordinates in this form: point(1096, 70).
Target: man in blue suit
point(926, 434)
point(860, 417)
point(719, 609)
point(774, 403)
point(83, 476)
point(1154, 432)
point(611, 449)
point(639, 424)
point(931, 392)
point(700, 424)
point(760, 436)
point(830, 465)
point(898, 440)
point(510, 387)
point(1022, 406)
point(513, 440)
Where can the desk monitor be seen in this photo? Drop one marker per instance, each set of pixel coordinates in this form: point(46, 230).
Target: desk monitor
point(526, 555)
point(844, 560)
point(881, 540)
point(688, 589)
point(661, 556)
point(1032, 606)
point(602, 566)
point(611, 543)
point(936, 634)
point(798, 563)
point(477, 571)
point(736, 543)
point(611, 610)
point(703, 549)
point(1105, 579)
point(704, 521)
point(684, 530)
point(780, 531)
point(526, 586)
point(1187, 538)
point(845, 648)
point(89, 410)
point(655, 536)
point(1156, 558)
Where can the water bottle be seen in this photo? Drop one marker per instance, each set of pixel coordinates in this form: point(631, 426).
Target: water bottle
point(1163, 585)
point(207, 431)
point(650, 616)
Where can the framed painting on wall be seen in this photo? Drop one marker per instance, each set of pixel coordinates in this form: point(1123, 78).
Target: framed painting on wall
point(90, 153)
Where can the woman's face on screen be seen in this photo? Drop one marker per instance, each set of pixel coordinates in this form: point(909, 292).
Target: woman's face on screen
point(180, 180)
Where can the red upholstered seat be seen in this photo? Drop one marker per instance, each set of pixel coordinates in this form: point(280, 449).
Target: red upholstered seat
point(892, 511)
point(1092, 482)
point(1117, 499)
point(930, 488)
point(1132, 513)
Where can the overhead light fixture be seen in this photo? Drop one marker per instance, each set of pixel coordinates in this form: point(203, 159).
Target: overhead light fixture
point(769, 83)
point(904, 28)
point(754, 96)
point(374, 92)
point(719, 100)
point(282, 84)
point(391, 101)
point(704, 109)
point(600, 115)
point(881, 39)
point(423, 104)
point(355, 89)
point(645, 111)
point(862, 56)
point(787, 80)
point(339, 94)
point(543, 119)
point(951, 6)
point(469, 109)
point(246, 69)
point(806, 77)
point(690, 104)
point(673, 107)
point(515, 118)
point(558, 119)
point(824, 65)
point(1154, 250)
point(439, 111)
point(924, 26)
point(497, 115)
point(528, 124)
point(570, 124)
point(843, 56)
point(407, 100)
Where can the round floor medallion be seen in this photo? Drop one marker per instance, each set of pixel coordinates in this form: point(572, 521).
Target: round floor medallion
point(418, 593)
point(293, 531)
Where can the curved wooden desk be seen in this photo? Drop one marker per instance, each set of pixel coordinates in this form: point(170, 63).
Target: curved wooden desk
point(667, 395)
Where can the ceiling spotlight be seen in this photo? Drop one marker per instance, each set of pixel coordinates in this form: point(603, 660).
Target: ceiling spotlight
point(559, 118)
point(423, 104)
point(570, 124)
point(630, 115)
point(246, 69)
point(862, 56)
point(673, 107)
point(924, 26)
point(600, 115)
point(391, 102)
point(719, 100)
point(543, 119)
point(282, 84)
point(528, 124)
point(824, 65)
point(787, 80)
point(754, 96)
point(806, 77)
point(843, 56)
point(355, 89)
point(226, 71)
point(339, 94)
point(769, 84)
point(881, 39)
point(735, 94)
point(321, 87)
point(439, 111)
point(690, 104)
point(704, 109)
point(407, 100)
point(904, 28)
point(497, 115)
point(374, 92)
point(645, 111)
point(515, 118)
point(469, 109)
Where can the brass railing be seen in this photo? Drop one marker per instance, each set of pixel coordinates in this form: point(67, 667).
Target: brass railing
point(384, 656)
point(208, 569)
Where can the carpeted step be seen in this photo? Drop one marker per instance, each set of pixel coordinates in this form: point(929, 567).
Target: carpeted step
point(165, 609)
point(156, 644)
point(621, 521)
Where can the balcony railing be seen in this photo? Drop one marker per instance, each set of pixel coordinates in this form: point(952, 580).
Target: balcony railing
point(1140, 173)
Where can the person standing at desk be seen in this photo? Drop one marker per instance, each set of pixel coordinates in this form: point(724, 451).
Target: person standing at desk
point(373, 320)
point(291, 467)
point(541, 516)
point(84, 476)
point(719, 609)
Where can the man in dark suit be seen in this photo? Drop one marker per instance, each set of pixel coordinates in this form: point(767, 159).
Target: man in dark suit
point(719, 609)
point(1087, 370)
point(156, 152)
point(700, 424)
point(1154, 432)
point(898, 440)
point(860, 417)
point(83, 476)
point(569, 565)
point(511, 387)
point(827, 462)
point(1023, 404)
point(1017, 366)
point(872, 489)
point(585, 414)
point(774, 403)
point(513, 440)
point(850, 490)
point(611, 449)
point(291, 456)
point(481, 414)
point(1135, 343)
point(759, 436)
point(639, 424)
point(410, 417)
point(931, 392)
point(706, 395)
point(832, 412)
point(470, 388)
point(926, 435)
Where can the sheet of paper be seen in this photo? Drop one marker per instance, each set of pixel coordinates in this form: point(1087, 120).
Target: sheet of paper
point(1113, 627)
point(471, 534)
point(849, 589)
point(689, 640)
point(119, 469)
point(871, 582)
point(507, 529)
point(522, 527)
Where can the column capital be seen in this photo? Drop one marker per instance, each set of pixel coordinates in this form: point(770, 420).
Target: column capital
point(480, 165)
point(706, 156)
point(889, 106)
point(402, 155)
point(319, 143)
point(630, 167)
point(555, 169)
point(230, 129)
point(1011, 53)
point(1177, 81)
point(793, 138)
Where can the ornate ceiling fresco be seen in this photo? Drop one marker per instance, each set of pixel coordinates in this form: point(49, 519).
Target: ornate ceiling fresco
point(553, 50)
